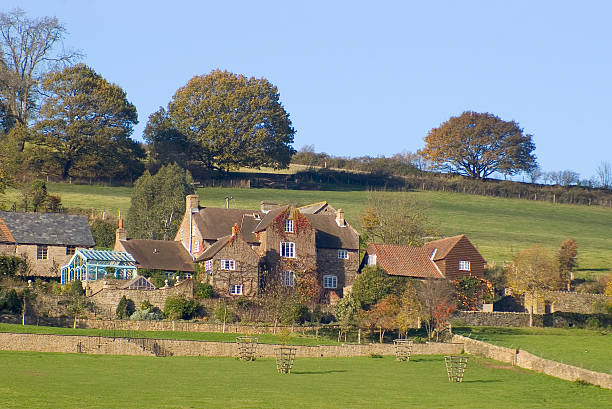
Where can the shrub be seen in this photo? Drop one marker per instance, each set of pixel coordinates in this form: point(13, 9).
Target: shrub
point(294, 313)
point(592, 323)
point(203, 290)
point(179, 307)
point(103, 233)
point(75, 288)
point(125, 308)
point(11, 266)
point(147, 315)
point(225, 313)
point(9, 301)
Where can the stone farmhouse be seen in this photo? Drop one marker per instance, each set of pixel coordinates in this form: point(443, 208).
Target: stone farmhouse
point(449, 258)
point(242, 251)
point(46, 240)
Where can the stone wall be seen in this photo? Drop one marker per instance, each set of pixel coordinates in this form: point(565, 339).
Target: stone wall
point(107, 298)
point(246, 272)
point(526, 360)
point(126, 346)
point(566, 301)
point(56, 258)
point(491, 319)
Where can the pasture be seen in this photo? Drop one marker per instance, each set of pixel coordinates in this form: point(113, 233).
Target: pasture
point(498, 227)
point(52, 380)
point(589, 349)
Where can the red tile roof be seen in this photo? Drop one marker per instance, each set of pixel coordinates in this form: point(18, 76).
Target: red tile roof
point(442, 246)
point(5, 233)
point(405, 261)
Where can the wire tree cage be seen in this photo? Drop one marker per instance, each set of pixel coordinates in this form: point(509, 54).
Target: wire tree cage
point(403, 349)
point(284, 359)
point(455, 367)
point(247, 347)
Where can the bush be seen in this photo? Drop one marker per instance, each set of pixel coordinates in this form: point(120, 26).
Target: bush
point(592, 323)
point(125, 308)
point(225, 313)
point(294, 313)
point(154, 314)
point(9, 301)
point(11, 266)
point(103, 233)
point(203, 290)
point(75, 288)
point(178, 307)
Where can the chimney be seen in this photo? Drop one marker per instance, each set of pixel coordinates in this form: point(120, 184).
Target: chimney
point(192, 202)
point(120, 233)
point(340, 218)
point(235, 229)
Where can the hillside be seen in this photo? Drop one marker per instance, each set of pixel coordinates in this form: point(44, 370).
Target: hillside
point(498, 227)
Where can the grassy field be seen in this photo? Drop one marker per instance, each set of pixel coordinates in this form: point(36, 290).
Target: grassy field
point(498, 227)
point(49, 380)
point(294, 339)
point(588, 349)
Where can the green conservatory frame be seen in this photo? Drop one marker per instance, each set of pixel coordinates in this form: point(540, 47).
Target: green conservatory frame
point(92, 265)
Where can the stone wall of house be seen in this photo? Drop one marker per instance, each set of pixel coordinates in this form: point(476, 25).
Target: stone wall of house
point(126, 346)
point(566, 301)
point(7, 249)
point(56, 258)
point(346, 269)
point(106, 299)
point(526, 360)
point(246, 271)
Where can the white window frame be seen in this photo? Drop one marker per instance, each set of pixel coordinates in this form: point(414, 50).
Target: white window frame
point(464, 265)
point(287, 249)
point(196, 246)
point(330, 281)
point(42, 252)
point(208, 265)
point(371, 259)
point(343, 254)
point(236, 289)
point(227, 264)
point(288, 278)
point(289, 226)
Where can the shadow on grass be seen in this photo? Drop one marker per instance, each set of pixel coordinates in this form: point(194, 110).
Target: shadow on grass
point(483, 381)
point(318, 372)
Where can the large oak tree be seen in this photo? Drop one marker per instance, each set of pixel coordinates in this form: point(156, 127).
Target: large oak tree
point(86, 123)
point(479, 144)
point(225, 120)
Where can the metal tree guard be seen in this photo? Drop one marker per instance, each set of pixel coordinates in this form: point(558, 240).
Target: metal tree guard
point(403, 349)
point(247, 346)
point(455, 367)
point(284, 359)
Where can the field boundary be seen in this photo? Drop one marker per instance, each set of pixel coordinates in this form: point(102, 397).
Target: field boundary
point(524, 359)
point(10, 341)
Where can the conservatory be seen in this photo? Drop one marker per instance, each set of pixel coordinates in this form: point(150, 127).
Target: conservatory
point(92, 265)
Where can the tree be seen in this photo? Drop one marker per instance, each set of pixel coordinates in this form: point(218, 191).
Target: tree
point(410, 308)
point(166, 143)
point(532, 272)
point(604, 175)
point(384, 315)
point(230, 121)
point(396, 220)
point(374, 284)
point(28, 49)
point(125, 308)
point(178, 307)
point(436, 297)
point(103, 233)
point(77, 305)
point(471, 292)
point(158, 203)
point(86, 123)
point(567, 260)
point(479, 144)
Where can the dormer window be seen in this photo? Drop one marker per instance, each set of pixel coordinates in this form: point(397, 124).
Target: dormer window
point(288, 226)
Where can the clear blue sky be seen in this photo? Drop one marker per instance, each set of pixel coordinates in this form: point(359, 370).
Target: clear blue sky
point(370, 78)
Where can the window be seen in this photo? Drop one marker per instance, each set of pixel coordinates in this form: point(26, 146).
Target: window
point(330, 281)
point(371, 259)
point(41, 252)
point(208, 265)
point(288, 278)
point(464, 266)
point(287, 249)
point(70, 250)
point(236, 290)
point(181, 234)
point(289, 226)
point(196, 246)
point(228, 264)
point(343, 254)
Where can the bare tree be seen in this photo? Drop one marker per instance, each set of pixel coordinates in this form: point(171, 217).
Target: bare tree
point(604, 175)
point(437, 303)
point(535, 173)
point(29, 49)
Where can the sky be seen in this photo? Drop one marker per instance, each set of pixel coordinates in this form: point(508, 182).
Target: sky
point(369, 78)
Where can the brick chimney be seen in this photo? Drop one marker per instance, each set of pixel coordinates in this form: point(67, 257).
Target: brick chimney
point(192, 202)
point(120, 233)
point(340, 218)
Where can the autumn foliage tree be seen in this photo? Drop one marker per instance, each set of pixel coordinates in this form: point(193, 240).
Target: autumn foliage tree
point(437, 300)
point(479, 144)
point(471, 292)
point(383, 315)
point(567, 260)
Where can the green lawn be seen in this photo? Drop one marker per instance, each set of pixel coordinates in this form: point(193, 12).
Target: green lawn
point(498, 227)
point(50, 380)
point(588, 349)
point(294, 339)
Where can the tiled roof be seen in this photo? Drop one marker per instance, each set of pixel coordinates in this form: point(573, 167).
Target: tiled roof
point(5, 233)
point(442, 246)
point(215, 222)
point(330, 235)
point(405, 261)
point(269, 218)
point(215, 248)
point(49, 228)
point(159, 254)
point(314, 208)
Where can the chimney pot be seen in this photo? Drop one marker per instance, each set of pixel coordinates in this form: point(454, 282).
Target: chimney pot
point(340, 218)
